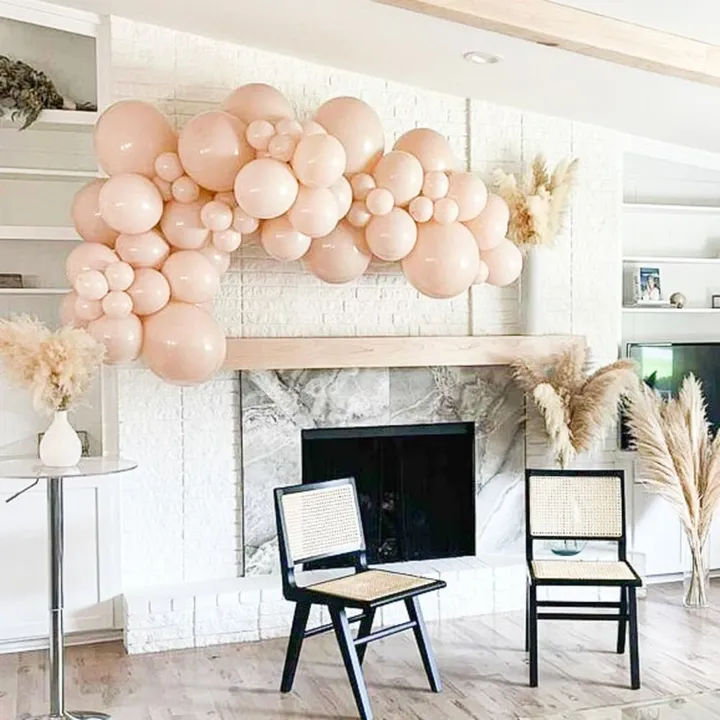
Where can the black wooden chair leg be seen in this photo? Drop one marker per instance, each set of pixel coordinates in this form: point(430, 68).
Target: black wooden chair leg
point(351, 660)
point(423, 642)
point(622, 623)
point(527, 619)
point(533, 633)
point(297, 635)
point(365, 629)
point(634, 652)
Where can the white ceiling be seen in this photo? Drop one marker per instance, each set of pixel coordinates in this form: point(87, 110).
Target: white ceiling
point(378, 40)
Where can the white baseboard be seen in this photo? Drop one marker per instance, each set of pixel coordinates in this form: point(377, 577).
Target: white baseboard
point(80, 638)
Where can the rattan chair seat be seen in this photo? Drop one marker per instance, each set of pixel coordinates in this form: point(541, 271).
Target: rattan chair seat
point(582, 570)
point(371, 585)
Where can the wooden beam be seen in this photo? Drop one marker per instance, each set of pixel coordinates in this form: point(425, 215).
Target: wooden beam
point(315, 353)
point(579, 31)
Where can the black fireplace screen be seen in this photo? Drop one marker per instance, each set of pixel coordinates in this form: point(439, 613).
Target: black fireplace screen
point(416, 485)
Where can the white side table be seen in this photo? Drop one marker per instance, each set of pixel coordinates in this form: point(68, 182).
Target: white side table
point(33, 469)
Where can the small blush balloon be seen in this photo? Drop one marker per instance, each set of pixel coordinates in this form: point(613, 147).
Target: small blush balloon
point(435, 185)
point(164, 187)
point(88, 310)
point(244, 223)
point(117, 304)
point(342, 191)
point(358, 215)
point(446, 211)
point(226, 197)
point(216, 216)
point(91, 285)
point(379, 201)
point(119, 276)
point(483, 273)
point(310, 127)
point(421, 209)
point(282, 147)
point(220, 260)
point(150, 292)
point(168, 166)
point(362, 184)
point(227, 240)
point(185, 190)
point(145, 250)
point(289, 126)
point(259, 133)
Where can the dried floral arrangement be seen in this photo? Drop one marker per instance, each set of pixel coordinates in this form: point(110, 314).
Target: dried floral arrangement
point(537, 201)
point(56, 367)
point(680, 461)
point(578, 408)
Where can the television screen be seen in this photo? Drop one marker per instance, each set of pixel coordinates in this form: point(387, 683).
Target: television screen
point(663, 366)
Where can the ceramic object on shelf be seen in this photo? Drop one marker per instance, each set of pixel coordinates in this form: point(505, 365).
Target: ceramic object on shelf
point(60, 445)
point(678, 300)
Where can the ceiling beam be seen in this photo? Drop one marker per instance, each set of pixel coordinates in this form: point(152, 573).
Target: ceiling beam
point(579, 31)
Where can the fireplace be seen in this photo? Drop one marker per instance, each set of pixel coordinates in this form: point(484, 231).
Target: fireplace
point(415, 483)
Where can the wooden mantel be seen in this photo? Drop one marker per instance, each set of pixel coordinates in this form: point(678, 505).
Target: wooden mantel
point(351, 352)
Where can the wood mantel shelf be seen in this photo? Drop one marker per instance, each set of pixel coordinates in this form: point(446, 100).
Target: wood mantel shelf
point(366, 352)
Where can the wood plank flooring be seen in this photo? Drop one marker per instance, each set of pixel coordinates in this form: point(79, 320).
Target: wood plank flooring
point(481, 660)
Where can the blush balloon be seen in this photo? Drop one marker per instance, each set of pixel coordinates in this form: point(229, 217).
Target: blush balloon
point(315, 212)
point(216, 216)
point(362, 184)
point(310, 127)
point(265, 188)
point(244, 223)
point(88, 256)
point(401, 174)
point(257, 101)
point(227, 240)
point(130, 203)
point(470, 194)
point(435, 185)
point(88, 310)
point(185, 189)
point(122, 337)
point(150, 292)
point(91, 285)
point(192, 277)
point(220, 260)
point(491, 225)
point(446, 211)
point(117, 305)
point(282, 241)
point(119, 276)
point(358, 215)
point(504, 263)
point(66, 311)
point(342, 191)
point(379, 201)
point(145, 250)
point(289, 126)
point(421, 209)
point(182, 226)
point(429, 147)
point(86, 216)
point(340, 256)
point(168, 166)
point(483, 272)
point(391, 237)
point(319, 160)
point(164, 188)
point(227, 197)
point(282, 147)
point(259, 133)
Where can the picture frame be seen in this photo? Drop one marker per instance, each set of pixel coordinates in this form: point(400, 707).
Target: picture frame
point(716, 302)
point(11, 281)
point(647, 286)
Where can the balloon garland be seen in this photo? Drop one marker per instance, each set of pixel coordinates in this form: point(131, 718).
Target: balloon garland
point(159, 230)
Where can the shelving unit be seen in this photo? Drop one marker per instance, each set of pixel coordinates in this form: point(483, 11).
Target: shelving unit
point(29, 233)
point(671, 310)
point(34, 291)
point(70, 120)
point(665, 260)
point(670, 207)
point(21, 173)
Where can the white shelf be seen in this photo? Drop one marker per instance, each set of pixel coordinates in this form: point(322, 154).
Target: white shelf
point(665, 207)
point(68, 120)
point(643, 260)
point(34, 291)
point(26, 232)
point(675, 311)
point(21, 173)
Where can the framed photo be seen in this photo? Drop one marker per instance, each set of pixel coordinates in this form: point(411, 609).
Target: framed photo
point(84, 441)
point(10, 280)
point(647, 288)
point(716, 302)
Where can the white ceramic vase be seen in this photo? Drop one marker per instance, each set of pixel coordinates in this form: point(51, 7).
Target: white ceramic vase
point(60, 445)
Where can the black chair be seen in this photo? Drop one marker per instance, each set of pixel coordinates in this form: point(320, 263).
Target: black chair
point(321, 521)
point(579, 505)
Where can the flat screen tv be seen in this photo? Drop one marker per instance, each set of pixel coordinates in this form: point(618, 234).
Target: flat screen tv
point(663, 366)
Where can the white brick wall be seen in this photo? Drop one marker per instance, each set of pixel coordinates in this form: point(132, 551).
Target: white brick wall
point(181, 509)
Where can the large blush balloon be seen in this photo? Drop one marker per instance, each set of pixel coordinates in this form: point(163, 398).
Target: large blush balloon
point(86, 216)
point(257, 101)
point(122, 337)
point(67, 313)
point(342, 191)
point(319, 160)
point(469, 192)
point(315, 212)
point(130, 135)
point(391, 237)
point(504, 263)
point(340, 256)
point(88, 256)
point(491, 225)
point(401, 174)
point(212, 148)
point(182, 225)
point(265, 188)
point(192, 277)
point(357, 126)
point(130, 203)
point(444, 262)
point(282, 241)
point(183, 344)
point(429, 147)
point(145, 250)
point(150, 291)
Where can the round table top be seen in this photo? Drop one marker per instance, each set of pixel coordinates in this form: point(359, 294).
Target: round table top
point(31, 468)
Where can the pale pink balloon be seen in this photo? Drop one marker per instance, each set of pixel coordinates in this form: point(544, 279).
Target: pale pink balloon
point(164, 188)
point(421, 209)
point(429, 147)
point(340, 256)
point(212, 148)
point(91, 285)
point(259, 133)
point(86, 216)
point(130, 203)
point(435, 185)
point(310, 127)
point(117, 304)
point(88, 310)
point(227, 197)
point(342, 191)
point(491, 225)
point(266, 188)
point(469, 192)
point(149, 292)
point(182, 226)
point(168, 166)
point(192, 277)
point(183, 344)
point(216, 216)
point(315, 212)
point(145, 250)
point(88, 256)
point(483, 273)
point(446, 211)
point(358, 215)
point(504, 263)
point(130, 135)
point(220, 260)
point(244, 223)
point(122, 337)
point(357, 126)
point(282, 241)
point(67, 313)
point(282, 147)
point(379, 201)
point(401, 174)
point(257, 101)
point(289, 126)
point(362, 184)
point(444, 261)
point(391, 237)
point(319, 160)
point(119, 276)
point(185, 190)
point(227, 240)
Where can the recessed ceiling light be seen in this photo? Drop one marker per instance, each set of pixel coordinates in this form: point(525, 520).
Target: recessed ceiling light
point(481, 58)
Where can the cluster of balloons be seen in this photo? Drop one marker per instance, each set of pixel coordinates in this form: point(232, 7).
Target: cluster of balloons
point(159, 231)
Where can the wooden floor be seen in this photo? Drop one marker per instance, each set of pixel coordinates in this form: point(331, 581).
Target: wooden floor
point(481, 659)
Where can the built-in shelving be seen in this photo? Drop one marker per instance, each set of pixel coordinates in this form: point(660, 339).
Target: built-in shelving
point(646, 259)
point(27, 232)
point(22, 173)
point(672, 310)
point(670, 207)
point(70, 120)
point(34, 291)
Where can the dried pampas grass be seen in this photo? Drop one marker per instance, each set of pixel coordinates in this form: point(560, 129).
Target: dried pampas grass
point(56, 367)
point(537, 201)
point(577, 409)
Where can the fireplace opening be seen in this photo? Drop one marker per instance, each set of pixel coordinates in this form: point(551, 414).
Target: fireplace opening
point(415, 483)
